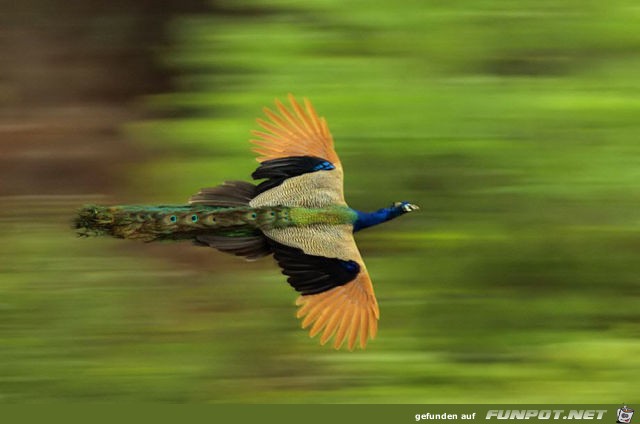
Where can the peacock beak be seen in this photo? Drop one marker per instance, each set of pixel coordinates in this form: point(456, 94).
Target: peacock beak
point(406, 206)
point(410, 207)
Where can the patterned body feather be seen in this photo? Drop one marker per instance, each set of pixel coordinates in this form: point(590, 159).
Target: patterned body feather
point(297, 213)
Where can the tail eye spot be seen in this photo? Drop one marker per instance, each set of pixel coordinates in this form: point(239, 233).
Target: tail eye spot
point(173, 218)
point(194, 218)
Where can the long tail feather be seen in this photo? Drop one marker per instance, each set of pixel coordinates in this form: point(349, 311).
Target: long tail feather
point(150, 223)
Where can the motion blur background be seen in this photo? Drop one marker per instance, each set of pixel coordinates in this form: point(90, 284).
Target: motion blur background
point(513, 124)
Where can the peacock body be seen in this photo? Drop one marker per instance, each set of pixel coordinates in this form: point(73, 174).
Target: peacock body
point(297, 213)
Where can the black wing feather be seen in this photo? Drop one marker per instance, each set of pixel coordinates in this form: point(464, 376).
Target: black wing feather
point(309, 274)
point(229, 194)
point(251, 247)
point(278, 170)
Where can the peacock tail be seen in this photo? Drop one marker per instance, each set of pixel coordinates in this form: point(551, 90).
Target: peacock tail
point(297, 213)
point(151, 223)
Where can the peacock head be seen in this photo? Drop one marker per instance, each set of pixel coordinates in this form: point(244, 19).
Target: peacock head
point(405, 207)
point(368, 219)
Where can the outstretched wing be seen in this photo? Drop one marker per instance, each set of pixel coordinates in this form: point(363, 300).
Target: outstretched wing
point(297, 158)
point(337, 294)
point(325, 266)
point(300, 132)
point(322, 262)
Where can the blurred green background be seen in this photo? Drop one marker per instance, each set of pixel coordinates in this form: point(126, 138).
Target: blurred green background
point(513, 124)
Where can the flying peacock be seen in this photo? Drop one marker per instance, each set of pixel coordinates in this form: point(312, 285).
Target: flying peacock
point(297, 213)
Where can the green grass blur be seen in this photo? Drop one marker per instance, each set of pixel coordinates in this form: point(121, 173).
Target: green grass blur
point(513, 124)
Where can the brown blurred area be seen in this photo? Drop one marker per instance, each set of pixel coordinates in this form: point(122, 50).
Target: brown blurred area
point(71, 72)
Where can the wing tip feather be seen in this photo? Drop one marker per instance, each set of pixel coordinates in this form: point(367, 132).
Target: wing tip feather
point(340, 316)
point(296, 130)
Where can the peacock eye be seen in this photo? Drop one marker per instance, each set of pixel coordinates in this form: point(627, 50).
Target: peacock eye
point(194, 218)
point(253, 215)
point(173, 218)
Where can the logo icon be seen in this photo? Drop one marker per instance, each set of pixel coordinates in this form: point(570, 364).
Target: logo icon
point(624, 415)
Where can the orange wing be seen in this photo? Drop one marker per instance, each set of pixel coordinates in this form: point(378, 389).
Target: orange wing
point(350, 312)
point(299, 132)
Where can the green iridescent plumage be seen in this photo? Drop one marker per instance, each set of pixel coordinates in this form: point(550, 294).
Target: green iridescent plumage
point(150, 223)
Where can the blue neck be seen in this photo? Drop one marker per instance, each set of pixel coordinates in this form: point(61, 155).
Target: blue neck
point(368, 219)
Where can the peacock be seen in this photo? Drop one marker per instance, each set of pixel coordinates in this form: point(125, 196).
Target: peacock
point(297, 213)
